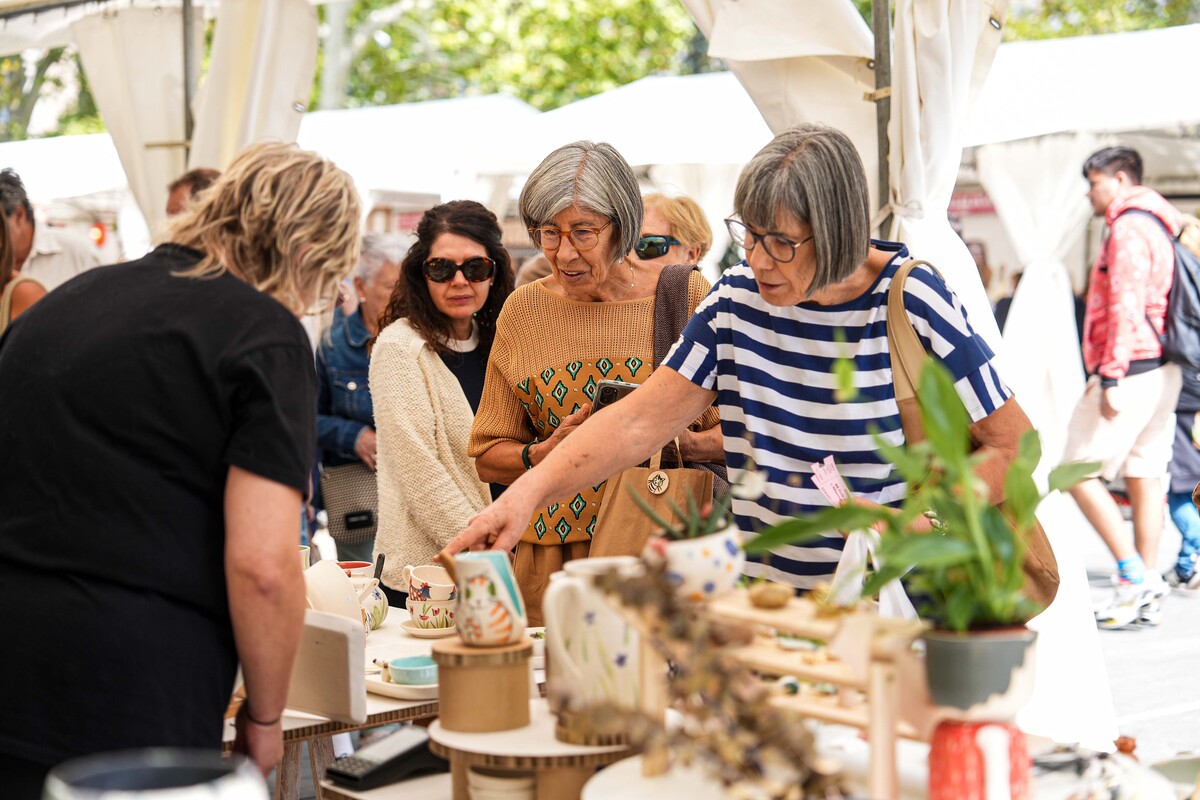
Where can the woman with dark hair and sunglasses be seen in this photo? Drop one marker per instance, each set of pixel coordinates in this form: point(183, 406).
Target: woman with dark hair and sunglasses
point(591, 319)
point(426, 375)
point(674, 231)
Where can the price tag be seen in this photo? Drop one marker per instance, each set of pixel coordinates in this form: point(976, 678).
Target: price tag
point(830, 482)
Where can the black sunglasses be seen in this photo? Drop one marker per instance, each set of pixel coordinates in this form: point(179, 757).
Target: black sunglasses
point(440, 270)
point(654, 246)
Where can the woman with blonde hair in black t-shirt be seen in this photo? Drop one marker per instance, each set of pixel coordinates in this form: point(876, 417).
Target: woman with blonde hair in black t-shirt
point(177, 397)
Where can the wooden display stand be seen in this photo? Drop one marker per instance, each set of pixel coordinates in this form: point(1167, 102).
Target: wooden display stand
point(560, 769)
point(483, 689)
point(868, 646)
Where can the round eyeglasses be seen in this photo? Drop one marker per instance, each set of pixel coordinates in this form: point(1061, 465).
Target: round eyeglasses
point(778, 247)
point(582, 239)
point(654, 246)
point(440, 270)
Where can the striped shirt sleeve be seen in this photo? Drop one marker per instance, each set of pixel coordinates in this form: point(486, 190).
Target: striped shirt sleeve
point(694, 355)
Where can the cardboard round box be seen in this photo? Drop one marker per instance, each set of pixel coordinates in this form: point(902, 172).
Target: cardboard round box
point(482, 689)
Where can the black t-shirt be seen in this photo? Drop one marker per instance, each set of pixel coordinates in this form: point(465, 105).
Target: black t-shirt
point(469, 369)
point(125, 396)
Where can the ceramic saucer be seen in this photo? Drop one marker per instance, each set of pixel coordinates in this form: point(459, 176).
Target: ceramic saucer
point(403, 691)
point(427, 633)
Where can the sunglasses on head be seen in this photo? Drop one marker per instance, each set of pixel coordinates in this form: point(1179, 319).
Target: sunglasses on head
point(654, 246)
point(440, 270)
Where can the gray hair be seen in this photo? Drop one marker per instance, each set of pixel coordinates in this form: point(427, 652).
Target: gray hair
point(13, 195)
point(813, 173)
point(593, 177)
point(379, 249)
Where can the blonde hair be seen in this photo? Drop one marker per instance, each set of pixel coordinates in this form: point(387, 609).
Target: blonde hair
point(282, 219)
point(688, 223)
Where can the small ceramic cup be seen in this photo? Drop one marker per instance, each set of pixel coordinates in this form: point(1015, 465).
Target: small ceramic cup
point(429, 583)
point(305, 557)
point(491, 607)
point(413, 670)
point(429, 615)
point(357, 569)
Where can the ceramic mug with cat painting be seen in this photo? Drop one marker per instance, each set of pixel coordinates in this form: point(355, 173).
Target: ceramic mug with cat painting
point(490, 608)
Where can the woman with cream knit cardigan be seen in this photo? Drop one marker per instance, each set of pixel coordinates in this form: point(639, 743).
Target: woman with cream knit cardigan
point(426, 376)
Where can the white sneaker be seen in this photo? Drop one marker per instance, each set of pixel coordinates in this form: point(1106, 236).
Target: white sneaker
point(1129, 600)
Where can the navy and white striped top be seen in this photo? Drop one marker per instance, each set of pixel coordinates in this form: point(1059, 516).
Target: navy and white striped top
point(772, 369)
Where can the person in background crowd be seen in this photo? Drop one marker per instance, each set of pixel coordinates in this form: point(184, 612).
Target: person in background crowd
point(180, 395)
point(591, 319)
point(1185, 476)
point(345, 414)
point(187, 187)
point(17, 292)
point(534, 269)
point(759, 347)
point(427, 377)
point(1126, 415)
point(674, 231)
point(51, 256)
point(1005, 303)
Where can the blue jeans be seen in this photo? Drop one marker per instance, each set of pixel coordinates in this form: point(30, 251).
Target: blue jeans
point(1187, 520)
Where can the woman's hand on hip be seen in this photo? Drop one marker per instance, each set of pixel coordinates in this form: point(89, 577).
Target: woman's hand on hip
point(364, 447)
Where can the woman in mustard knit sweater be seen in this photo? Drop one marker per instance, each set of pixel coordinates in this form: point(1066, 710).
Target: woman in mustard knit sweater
point(426, 376)
point(591, 319)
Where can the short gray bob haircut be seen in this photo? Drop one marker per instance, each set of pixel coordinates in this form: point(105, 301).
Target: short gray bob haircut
point(594, 177)
point(812, 173)
point(379, 249)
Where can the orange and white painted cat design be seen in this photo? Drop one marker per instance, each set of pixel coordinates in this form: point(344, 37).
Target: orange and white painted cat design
point(486, 619)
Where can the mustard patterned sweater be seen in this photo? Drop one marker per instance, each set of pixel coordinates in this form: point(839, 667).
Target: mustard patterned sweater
point(549, 354)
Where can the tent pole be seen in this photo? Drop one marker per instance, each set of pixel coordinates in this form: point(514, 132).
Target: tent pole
point(881, 24)
point(189, 77)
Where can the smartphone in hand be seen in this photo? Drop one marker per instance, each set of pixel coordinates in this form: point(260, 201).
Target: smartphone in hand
point(609, 392)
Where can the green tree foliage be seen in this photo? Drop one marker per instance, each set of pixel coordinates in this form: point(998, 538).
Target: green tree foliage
point(1051, 19)
point(547, 52)
point(20, 87)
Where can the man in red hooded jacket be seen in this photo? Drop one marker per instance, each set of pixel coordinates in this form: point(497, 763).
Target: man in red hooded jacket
point(1126, 417)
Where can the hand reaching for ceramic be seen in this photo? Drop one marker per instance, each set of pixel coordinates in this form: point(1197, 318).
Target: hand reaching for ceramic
point(498, 527)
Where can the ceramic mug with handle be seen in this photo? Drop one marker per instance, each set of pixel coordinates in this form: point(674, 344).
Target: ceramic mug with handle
point(491, 610)
point(593, 652)
point(429, 583)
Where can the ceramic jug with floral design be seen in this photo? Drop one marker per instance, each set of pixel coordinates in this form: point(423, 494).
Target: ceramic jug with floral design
point(592, 652)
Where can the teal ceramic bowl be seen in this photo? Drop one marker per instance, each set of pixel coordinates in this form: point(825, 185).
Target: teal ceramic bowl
point(413, 670)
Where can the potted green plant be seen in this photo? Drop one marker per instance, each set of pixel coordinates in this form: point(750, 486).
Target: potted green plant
point(966, 577)
point(702, 547)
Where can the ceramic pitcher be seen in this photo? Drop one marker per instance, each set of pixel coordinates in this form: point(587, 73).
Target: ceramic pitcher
point(490, 608)
point(593, 652)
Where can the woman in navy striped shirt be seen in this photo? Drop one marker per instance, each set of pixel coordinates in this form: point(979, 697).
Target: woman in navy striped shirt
point(813, 288)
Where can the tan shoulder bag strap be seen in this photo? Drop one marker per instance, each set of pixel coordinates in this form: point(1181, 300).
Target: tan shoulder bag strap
point(907, 353)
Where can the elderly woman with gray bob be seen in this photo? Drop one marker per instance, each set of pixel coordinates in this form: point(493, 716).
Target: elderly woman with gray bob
point(345, 413)
point(812, 289)
point(591, 319)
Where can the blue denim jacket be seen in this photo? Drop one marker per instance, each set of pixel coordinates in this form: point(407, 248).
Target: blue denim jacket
point(344, 404)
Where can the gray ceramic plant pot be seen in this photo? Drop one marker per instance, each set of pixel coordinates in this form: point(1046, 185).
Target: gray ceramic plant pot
point(992, 667)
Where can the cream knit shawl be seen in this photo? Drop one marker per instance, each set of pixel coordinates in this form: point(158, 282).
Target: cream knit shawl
point(428, 487)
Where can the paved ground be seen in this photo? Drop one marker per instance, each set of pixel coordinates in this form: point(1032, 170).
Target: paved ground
point(1154, 672)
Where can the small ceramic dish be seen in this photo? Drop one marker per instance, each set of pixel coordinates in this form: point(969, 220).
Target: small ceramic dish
point(376, 685)
point(538, 637)
point(413, 670)
point(427, 633)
